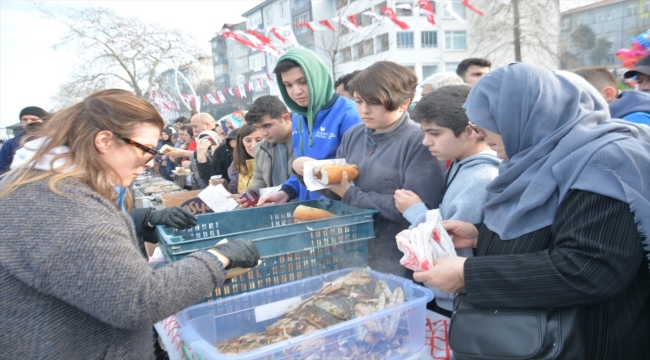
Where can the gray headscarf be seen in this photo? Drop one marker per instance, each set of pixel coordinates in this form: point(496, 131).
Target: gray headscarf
point(557, 135)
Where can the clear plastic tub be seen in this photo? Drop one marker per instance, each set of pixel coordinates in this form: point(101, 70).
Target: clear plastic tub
point(205, 325)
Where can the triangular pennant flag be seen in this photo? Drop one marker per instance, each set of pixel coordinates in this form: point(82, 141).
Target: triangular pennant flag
point(390, 13)
point(375, 16)
point(237, 92)
point(249, 86)
point(242, 91)
point(212, 99)
point(221, 97)
point(259, 81)
point(447, 6)
point(205, 98)
point(353, 20)
point(275, 33)
point(260, 37)
point(288, 34)
point(310, 25)
point(327, 24)
point(469, 6)
point(239, 39)
point(269, 76)
point(427, 9)
point(347, 24)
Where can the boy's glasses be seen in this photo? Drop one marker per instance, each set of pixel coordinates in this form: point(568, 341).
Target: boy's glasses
point(473, 126)
point(149, 152)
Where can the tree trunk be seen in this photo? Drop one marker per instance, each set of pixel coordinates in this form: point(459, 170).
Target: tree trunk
point(517, 30)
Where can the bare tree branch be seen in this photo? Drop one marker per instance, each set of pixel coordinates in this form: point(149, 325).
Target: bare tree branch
point(118, 49)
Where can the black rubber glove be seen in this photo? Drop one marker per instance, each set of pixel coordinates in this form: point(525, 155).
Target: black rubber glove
point(242, 253)
point(174, 216)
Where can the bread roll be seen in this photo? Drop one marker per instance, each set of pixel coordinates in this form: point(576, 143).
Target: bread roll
point(331, 174)
point(166, 149)
point(306, 213)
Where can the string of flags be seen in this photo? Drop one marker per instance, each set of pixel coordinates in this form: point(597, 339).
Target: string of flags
point(166, 102)
point(273, 40)
point(262, 39)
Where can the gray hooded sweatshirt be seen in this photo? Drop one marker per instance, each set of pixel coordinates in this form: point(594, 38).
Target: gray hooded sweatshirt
point(463, 200)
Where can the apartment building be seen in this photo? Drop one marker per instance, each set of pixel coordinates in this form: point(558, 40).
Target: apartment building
point(614, 20)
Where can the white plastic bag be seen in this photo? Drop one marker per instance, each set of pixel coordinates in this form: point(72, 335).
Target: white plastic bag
point(425, 243)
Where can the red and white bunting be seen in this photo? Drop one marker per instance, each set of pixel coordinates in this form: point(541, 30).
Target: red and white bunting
point(221, 97)
point(269, 76)
point(212, 99)
point(390, 13)
point(327, 24)
point(249, 86)
point(277, 34)
point(259, 81)
point(260, 37)
point(469, 6)
point(205, 98)
point(242, 40)
point(427, 9)
point(376, 17)
point(241, 90)
point(447, 6)
point(347, 24)
point(287, 33)
point(310, 25)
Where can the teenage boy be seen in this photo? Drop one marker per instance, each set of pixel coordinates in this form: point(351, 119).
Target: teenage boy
point(320, 117)
point(630, 105)
point(273, 155)
point(449, 135)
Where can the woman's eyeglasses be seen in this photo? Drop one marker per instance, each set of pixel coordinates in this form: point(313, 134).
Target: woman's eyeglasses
point(149, 152)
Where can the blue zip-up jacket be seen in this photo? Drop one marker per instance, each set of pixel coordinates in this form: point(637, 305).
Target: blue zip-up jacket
point(632, 106)
point(336, 117)
point(7, 152)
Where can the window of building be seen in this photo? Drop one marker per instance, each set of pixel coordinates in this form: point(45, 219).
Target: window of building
point(428, 70)
point(631, 32)
point(300, 18)
point(403, 12)
point(256, 63)
point(632, 9)
point(344, 55)
point(458, 8)
point(646, 7)
point(412, 67)
point(404, 39)
point(610, 15)
point(610, 36)
point(368, 47)
point(455, 40)
point(380, 6)
point(381, 43)
point(254, 21)
point(596, 18)
point(358, 51)
point(364, 20)
point(581, 20)
point(451, 66)
point(283, 8)
point(268, 16)
point(429, 39)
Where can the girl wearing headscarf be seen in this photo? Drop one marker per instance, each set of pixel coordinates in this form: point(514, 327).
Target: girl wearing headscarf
point(568, 217)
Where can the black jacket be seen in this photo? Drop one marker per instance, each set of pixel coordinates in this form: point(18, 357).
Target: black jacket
point(219, 162)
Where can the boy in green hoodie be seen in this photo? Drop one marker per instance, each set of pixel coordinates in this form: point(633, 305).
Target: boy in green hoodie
point(320, 116)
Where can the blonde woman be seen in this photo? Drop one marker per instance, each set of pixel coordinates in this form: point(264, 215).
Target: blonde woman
point(75, 284)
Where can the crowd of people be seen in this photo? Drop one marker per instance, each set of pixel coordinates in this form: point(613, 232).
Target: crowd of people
point(539, 177)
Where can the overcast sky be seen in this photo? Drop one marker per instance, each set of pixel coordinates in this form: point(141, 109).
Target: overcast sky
point(31, 70)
